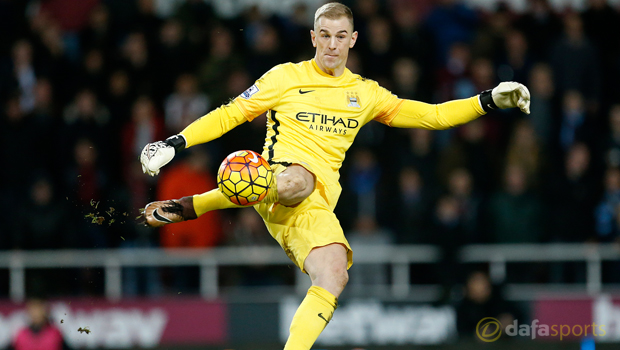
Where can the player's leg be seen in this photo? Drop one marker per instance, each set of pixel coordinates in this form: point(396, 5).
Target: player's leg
point(312, 237)
point(327, 267)
point(292, 185)
point(160, 213)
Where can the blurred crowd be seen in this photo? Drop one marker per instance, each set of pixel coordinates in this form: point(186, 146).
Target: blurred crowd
point(85, 84)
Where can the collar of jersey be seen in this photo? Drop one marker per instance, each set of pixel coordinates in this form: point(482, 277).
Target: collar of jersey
point(318, 70)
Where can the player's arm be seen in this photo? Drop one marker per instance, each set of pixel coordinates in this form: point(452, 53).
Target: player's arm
point(415, 114)
point(256, 100)
point(209, 127)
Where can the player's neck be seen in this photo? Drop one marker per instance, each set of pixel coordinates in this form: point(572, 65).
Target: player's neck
point(336, 72)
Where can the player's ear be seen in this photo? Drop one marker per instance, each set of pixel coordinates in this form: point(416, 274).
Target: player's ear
point(353, 39)
point(313, 37)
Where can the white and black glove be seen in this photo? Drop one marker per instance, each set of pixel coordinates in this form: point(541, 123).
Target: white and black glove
point(157, 154)
point(508, 94)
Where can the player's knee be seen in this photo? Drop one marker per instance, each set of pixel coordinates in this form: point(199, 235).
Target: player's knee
point(293, 188)
point(341, 277)
point(336, 276)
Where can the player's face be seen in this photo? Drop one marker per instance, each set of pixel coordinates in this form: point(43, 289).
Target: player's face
point(333, 38)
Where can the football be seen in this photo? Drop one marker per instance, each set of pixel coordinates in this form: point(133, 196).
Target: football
point(244, 177)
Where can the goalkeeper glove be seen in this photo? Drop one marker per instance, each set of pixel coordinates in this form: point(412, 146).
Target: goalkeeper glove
point(508, 94)
point(160, 213)
point(157, 154)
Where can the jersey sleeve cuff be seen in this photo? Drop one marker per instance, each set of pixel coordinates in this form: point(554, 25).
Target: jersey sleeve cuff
point(476, 102)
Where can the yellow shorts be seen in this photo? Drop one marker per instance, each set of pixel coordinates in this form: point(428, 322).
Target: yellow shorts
point(309, 225)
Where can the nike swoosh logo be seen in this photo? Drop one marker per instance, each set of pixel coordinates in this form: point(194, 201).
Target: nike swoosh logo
point(255, 159)
point(489, 105)
point(304, 92)
point(161, 218)
point(321, 316)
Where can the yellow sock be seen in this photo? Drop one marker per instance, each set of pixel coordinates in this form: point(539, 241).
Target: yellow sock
point(215, 199)
point(312, 316)
point(212, 200)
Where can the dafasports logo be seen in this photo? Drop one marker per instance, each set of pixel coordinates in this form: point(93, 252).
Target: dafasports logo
point(489, 329)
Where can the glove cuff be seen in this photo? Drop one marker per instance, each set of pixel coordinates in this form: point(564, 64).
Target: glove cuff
point(176, 141)
point(486, 100)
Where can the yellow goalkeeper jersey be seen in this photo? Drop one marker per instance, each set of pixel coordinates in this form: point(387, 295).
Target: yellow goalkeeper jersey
point(314, 117)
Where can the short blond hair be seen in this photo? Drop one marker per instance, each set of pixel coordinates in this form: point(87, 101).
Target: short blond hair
point(333, 10)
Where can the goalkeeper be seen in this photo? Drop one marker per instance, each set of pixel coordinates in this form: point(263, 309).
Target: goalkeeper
point(314, 109)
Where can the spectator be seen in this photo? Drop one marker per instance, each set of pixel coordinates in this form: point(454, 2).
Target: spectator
point(481, 77)
point(573, 199)
point(15, 152)
point(367, 234)
point(515, 214)
point(97, 34)
point(524, 151)
point(173, 57)
point(491, 37)
point(22, 75)
point(421, 153)
point(481, 299)
point(449, 236)
point(40, 333)
point(88, 179)
point(119, 98)
point(410, 37)
point(607, 209)
point(543, 104)
point(461, 188)
point(541, 26)
point(364, 176)
point(52, 228)
point(411, 208)
point(517, 62)
point(221, 61)
point(455, 69)
point(575, 63)
point(294, 27)
point(451, 21)
point(145, 126)
point(185, 105)
point(577, 124)
point(574, 194)
point(93, 72)
point(379, 55)
point(406, 76)
point(190, 176)
point(264, 49)
point(137, 62)
point(599, 19)
point(70, 16)
point(471, 149)
point(57, 58)
point(147, 21)
point(85, 117)
point(182, 179)
point(248, 230)
point(611, 144)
